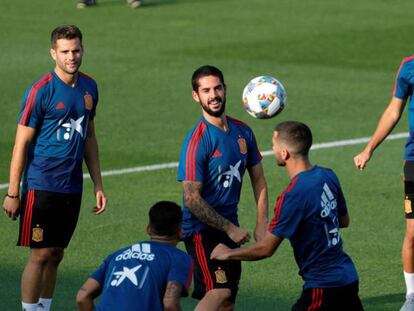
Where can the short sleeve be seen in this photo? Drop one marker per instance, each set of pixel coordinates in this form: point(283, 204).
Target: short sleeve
point(402, 87)
point(31, 110)
point(95, 98)
point(254, 156)
point(340, 198)
point(181, 270)
point(193, 159)
point(99, 274)
point(287, 215)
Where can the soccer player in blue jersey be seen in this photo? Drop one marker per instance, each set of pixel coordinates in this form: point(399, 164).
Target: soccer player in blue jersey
point(147, 276)
point(216, 153)
point(309, 212)
point(403, 90)
point(55, 133)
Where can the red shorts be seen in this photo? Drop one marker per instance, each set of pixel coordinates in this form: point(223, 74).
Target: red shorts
point(48, 219)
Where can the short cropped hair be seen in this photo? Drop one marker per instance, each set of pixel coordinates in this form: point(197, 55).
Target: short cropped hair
point(68, 32)
point(204, 71)
point(296, 135)
point(165, 218)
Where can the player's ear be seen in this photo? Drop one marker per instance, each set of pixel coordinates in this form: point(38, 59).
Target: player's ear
point(195, 96)
point(149, 229)
point(53, 53)
point(179, 233)
point(285, 154)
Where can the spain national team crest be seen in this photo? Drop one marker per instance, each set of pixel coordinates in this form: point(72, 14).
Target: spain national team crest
point(242, 145)
point(37, 235)
point(220, 276)
point(407, 206)
point(88, 101)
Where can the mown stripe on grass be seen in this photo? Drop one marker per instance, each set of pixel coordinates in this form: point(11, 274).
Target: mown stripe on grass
point(157, 167)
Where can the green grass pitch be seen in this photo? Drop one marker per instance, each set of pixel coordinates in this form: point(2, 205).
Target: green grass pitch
point(337, 60)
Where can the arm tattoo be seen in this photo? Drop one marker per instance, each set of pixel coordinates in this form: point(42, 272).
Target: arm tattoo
point(200, 208)
point(172, 294)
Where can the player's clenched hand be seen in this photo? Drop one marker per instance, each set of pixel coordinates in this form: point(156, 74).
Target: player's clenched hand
point(237, 234)
point(260, 231)
point(11, 207)
point(360, 160)
point(101, 201)
point(220, 252)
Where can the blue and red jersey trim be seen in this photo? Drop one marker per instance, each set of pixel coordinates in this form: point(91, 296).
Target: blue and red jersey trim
point(405, 60)
point(279, 204)
point(31, 98)
point(191, 163)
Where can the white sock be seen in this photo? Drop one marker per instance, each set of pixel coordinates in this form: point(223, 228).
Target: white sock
point(29, 306)
point(44, 304)
point(409, 282)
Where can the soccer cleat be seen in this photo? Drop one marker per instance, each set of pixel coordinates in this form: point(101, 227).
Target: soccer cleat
point(134, 3)
point(409, 303)
point(85, 3)
point(81, 5)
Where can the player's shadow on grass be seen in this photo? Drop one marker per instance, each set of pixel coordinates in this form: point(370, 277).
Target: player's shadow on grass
point(384, 299)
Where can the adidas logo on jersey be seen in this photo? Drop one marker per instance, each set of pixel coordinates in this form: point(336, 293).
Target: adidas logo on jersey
point(60, 106)
point(140, 251)
point(217, 153)
point(328, 201)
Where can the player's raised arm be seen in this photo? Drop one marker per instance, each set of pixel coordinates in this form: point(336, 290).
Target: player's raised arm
point(385, 125)
point(260, 193)
point(204, 212)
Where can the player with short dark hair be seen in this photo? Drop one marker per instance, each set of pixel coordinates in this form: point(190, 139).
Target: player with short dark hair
point(309, 212)
point(67, 32)
point(55, 133)
point(147, 276)
point(216, 153)
point(403, 90)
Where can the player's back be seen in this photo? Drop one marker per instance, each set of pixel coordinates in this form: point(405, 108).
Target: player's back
point(312, 206)
point(134, 278)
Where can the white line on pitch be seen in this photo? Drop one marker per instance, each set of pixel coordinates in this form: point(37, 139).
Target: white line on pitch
point(157, 167)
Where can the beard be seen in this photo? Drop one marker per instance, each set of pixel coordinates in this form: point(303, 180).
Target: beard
point(217, 113)
point(279, 161)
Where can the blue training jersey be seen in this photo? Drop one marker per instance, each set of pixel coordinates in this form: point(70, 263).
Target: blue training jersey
point(218, 160)
point(135, 277)
point(307, 213)
point(403, 89)
point(60, 115)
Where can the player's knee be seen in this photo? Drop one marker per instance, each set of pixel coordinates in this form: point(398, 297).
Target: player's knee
point(227, 306)
point(43, 256)
point(220, 294)
point(409, 234)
